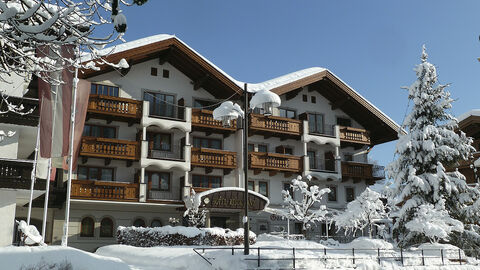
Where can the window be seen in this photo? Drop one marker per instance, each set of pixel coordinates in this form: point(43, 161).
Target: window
point(156, 223)
point(105, 90)
point(206, 181)
point(313, 99)
point(342, 121)
point(166, 73)
point(153, 71)
point(95, 173)
point(99, 131)
point(158, 181)
point(258, 111)
point(304, 98)
point(139, 222)
point(207, 143)
point(201, 103)
point(312, 160)
point(287, 113)
point(315, 123)
point(251, 185)
point(263, 188)
point(349, 194)
point(161, 141)
point(286, 150)
point(161, 104)
point(106, 227)
point(251, 147)
point(263, 148)
point(288, 187)
point(332, 196)
point(87, 227)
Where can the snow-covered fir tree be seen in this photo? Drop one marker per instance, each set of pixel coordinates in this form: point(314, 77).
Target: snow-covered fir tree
point(308, 209)
point(193, 215)
point(361, 212)
point(418, 171)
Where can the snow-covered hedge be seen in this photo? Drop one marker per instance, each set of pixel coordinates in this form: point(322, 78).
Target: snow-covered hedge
point(180, 236)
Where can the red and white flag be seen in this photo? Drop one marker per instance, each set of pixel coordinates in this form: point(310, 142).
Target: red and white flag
point(55, 116)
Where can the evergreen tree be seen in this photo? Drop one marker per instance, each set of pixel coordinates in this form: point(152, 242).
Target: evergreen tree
point(418, 171)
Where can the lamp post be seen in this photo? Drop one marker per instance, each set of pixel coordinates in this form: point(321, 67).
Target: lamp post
point(228, 111)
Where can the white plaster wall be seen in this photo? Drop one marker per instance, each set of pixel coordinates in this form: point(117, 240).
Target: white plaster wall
point(7, 212)
point(9, 145)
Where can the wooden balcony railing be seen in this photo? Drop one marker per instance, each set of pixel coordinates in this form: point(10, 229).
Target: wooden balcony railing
point(275, 162)
point(110, 191)
point(110, 148)
point(16, 174)
point(354, 135)
point(275, 125)
point(357, 170)
point(214, 158)
point(204, 119)
point(115, 106)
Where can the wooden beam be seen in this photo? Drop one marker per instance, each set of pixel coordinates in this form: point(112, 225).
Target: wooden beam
point(129, 163)
point(339, 103)
point(199, 83)
point(257, 171)
point(287, 174)
point(208, 170)
point(108, 161)
point(84, 160)
point(164, 57)
point(272, 173)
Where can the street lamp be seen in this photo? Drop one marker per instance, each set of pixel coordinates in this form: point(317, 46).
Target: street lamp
point(229, 111)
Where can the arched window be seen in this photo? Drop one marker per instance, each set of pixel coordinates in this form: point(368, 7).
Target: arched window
point(87, 227)
point(106, 227)
point(156, 223)
point(139, 222)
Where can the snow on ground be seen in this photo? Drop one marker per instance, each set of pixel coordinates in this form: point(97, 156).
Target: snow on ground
point(55, 258)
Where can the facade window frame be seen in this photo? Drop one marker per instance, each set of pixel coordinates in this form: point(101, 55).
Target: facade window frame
point(209, 180)
point(87, 227)
point(104, 89)
point(150, 174)
point(105, 231)
point(99, 173)
point(209, 142)
point(87, 131)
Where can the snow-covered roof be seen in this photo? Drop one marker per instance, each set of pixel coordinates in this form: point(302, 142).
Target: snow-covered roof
point(475, 112)
point(284, 79)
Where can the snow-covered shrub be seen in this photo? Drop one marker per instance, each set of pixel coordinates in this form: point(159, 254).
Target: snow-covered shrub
point(194, 216)
point(308, 210)
point(180, 236)
point(361, 212)
point(30, 234)
point(435, 224)
point(43, 265)
point(173, 221)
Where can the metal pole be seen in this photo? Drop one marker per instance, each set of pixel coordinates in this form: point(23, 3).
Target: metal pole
point(70, 158)
point(33, 174)
point(246, 228)
point(45, 205)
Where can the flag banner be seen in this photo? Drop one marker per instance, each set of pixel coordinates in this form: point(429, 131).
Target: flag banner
point(55, 116)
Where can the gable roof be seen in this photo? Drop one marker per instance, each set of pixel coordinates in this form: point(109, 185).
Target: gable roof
point(169, 48)
point(205, 74)
point(341, 96)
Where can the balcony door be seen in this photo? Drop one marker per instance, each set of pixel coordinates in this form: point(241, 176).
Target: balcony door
point(329, 161)
point(315, 123)
point(162, 105)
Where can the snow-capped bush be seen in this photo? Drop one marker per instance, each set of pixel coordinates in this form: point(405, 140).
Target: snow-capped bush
point(180, 236)
point(194, 216)
point(361, 212)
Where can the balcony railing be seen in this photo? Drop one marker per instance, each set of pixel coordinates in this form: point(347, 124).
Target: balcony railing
point(115, 106)
point(275, 162)
point(357, 170)
point(275, 125)
point(98, 190)
point(204, 119)
point(16, 174)
point(354, 135)
point(325, 130)
point(110, 148)
point(174, 151)
point(214, 158)
point(323, 165)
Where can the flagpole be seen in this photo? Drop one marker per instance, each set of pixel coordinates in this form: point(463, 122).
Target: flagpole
point(33, 174)
point(70, 156)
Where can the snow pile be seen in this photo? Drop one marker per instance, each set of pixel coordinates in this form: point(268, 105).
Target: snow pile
point(178, 236)
point(31, 234)
point(264, 96)
point(228, 110)
point(368, 243)
point(55, 258)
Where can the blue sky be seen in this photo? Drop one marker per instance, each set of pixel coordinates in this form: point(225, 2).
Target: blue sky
point(371, 45)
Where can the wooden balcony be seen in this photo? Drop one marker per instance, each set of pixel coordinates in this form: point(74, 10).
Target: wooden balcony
point(105, 191)
point(109, 148)
point(274, 163)
point(354, 135)
point(357, 171)
point(213, 158)
point(202, 120)
point(115, 108)
point(274, 126)
point(16, 174)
